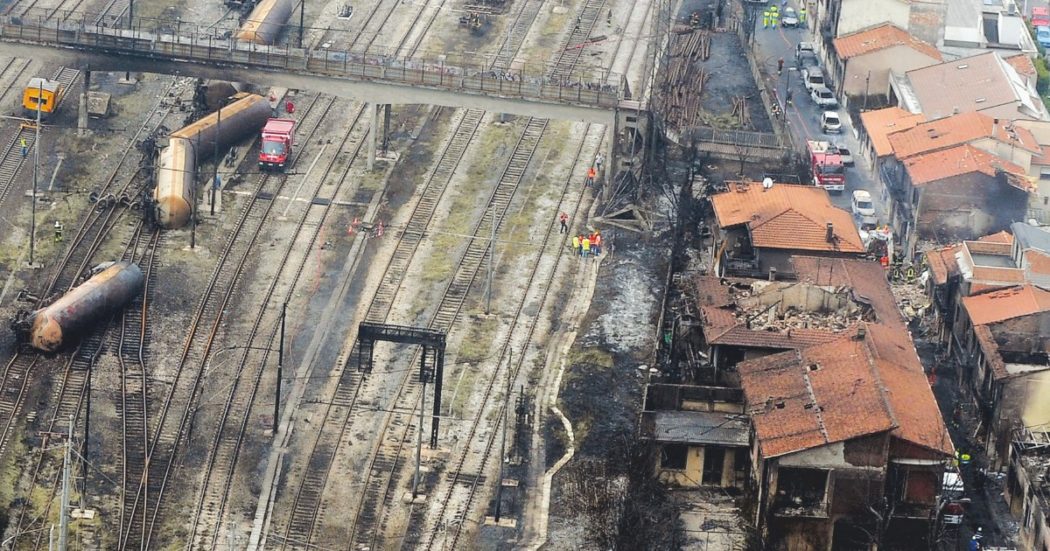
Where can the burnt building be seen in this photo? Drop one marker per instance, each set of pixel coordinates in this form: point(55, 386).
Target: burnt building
point(760, 228)
point(1028, 488)
point(848, 446)
point(1004, 353)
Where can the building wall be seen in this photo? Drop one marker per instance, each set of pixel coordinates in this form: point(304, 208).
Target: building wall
point(692, 475)
point(880, 63)
point(860, 14)
point(1019, 402)
point(1034, 534)
point(967, 207)
point(1019, 156)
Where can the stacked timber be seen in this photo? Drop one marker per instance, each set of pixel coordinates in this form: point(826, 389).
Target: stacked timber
point(686, 78)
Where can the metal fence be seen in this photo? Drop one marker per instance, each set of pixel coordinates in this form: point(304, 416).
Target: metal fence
point(169, 40)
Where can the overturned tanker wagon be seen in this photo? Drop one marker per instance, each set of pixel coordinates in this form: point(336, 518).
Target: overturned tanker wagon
point(76, 313)
point(176, 176)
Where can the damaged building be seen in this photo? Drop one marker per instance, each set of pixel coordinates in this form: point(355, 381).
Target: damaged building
point(1004, 337)
point(760, 228)
point(848, 447)
point(1028, 488)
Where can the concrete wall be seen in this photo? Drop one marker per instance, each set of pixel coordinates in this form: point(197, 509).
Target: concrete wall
point(880, 63)
point(1017, 155)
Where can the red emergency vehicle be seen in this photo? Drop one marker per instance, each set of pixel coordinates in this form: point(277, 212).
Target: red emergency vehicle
point(276, 144)
point(826, 165)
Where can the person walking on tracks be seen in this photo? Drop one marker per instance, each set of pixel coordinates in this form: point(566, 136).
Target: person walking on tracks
point(575, 244)
point(586, 245)
point(25, 147)
point(564, 219)
point(596, 243)
point(591, 175)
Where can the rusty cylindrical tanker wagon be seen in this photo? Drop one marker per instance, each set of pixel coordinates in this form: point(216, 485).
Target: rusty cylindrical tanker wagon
point(266, 21)
point(80, 310)
point(176, 173)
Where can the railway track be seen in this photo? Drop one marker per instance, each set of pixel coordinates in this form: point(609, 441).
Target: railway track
point(85, 242)
point(226, 444)
point(572, 45)
point(11, 160)
point(171, 426)
point(464, 480)
point(386, 460)
point(133, 400)
point(306, 505)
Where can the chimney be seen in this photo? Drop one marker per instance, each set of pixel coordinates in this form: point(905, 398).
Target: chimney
point(995, 127)
point(772, 273)
point(861, 332)
point(830, 235)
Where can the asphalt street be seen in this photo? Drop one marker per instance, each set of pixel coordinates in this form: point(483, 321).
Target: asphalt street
point(803, 115)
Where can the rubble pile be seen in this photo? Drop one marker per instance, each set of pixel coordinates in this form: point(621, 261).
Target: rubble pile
point(794, 318)
point(911, 298)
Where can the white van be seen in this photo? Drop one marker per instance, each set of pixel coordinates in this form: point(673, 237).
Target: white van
point(813, 78)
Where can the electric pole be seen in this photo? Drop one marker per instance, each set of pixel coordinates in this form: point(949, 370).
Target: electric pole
point(215, 180)
point(492, 253)
point(36, 168)
point(503, 439)
point(63, 514)
point(280, 371)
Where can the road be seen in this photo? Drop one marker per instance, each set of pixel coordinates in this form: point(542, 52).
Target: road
point(804, 115)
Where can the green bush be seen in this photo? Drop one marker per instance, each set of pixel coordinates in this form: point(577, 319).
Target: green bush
point(1042, 72)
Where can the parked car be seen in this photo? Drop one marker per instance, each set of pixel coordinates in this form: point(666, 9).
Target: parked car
point(844, 153)
point(805, 54)
point(789, 18)
point(830, 123)
point(861, 204)
point(1042, 36)
point(824, 97)
point(813, 78)
point(1041, 16)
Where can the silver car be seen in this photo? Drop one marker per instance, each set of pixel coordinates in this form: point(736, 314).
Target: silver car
point(824, 97)
point(789, 18)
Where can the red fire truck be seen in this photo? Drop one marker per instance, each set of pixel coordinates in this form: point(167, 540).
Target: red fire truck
point(826, 164)
point(276, 144)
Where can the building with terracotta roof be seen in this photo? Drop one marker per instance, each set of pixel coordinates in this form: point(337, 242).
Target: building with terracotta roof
point(947, 179)
point(838, 18)
point(984, 83)
point(762, 227)
point(866, 58)
point(838, 430)
point(1002, 342)
point(876, 127)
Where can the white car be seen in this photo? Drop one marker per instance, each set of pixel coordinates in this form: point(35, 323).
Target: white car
point(789, 18)
point(847, 157)
point(813, 78)
point(824, 97)
point(830, 123)
point(861, 204)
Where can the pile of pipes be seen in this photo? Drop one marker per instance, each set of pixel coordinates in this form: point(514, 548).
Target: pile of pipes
point(740, 111)
point(686, 78)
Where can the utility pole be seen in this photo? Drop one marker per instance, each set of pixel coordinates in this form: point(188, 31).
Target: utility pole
point(492, 253)
point(419, 431)
point(867, 79)
point(36, 169)
point(503, 440)
point(63, 514)
point(51, 538)
point(215, 180)
point(193, 205)
point(302, 18)
point(280, 374)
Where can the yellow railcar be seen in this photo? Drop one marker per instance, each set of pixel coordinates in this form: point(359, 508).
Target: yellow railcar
point(43, 93)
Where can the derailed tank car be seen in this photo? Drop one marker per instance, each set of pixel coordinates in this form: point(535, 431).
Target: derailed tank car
point(266, 21)
point(173, 195)
point(81, 309)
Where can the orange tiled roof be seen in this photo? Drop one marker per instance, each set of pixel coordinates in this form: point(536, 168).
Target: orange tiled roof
point(879, 38)
point(866, 278)
point(1022, 64)
point(1043, 158)
point(956, 130)
point(879, 124)
point(1004, 304)
point(850, 388)
point(1037, 262)
point(986, 341)
point(956, 161)
point(787, 216)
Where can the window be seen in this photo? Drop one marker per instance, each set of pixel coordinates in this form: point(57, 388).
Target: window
point(801, 487)
point(673, 456)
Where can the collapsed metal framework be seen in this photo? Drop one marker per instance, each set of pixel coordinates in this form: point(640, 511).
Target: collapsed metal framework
point(431, 361)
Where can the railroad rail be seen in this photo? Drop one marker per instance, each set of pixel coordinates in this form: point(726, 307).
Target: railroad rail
point(171, 426)
point(464, 479)
point(226, 444)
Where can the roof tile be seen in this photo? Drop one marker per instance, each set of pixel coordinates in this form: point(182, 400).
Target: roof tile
point(787, 216)
point(964, 159)
point(879, 124)
point(957, 130)
point(1004, 304)
point(879, 38)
